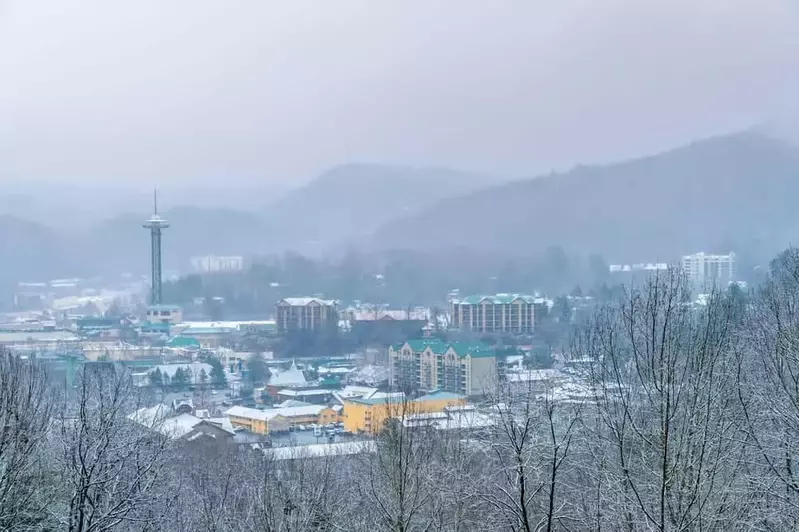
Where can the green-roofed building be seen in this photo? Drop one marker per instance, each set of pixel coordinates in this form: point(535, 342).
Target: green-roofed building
point(465, 368)
point(500, 313)
point(182, 342)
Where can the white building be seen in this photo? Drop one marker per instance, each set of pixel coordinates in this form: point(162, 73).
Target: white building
point(214, 264)
point(706, 270)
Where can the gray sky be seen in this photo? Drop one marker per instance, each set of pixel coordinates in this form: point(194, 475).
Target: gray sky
point(209, 91)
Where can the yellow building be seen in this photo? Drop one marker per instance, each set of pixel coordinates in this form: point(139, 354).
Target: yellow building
point(280, 419)
point(370, 415)
point(465, 368)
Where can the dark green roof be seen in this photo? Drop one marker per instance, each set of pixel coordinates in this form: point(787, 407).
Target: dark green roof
point(183, 341)
point(462, 349)
point(439, 394)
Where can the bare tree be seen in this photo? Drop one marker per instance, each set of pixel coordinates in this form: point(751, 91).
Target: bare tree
point(768, 390)
point(524, 479)
point(111, 464)
point(396, 480)
point(302, 492)
point(665, 447)
point(26, 408)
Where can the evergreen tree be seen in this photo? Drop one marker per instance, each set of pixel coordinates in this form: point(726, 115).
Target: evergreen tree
point(180, 381)
point(258, 372)
point(157, 378)
point(218, 379)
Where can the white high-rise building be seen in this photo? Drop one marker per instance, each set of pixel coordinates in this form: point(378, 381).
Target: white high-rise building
point(707, 270)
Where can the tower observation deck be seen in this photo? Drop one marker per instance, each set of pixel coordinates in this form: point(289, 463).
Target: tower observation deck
point(155, 224)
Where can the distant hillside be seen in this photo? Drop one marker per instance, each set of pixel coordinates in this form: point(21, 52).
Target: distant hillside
point(122, 244)
point(354, 200)
point(31, 251)
point(714, 194)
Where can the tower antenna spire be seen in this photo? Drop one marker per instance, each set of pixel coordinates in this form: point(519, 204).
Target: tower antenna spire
point(156, 225)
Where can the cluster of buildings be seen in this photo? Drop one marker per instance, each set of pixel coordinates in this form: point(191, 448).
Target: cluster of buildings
point(419, 381)
point(704, 271)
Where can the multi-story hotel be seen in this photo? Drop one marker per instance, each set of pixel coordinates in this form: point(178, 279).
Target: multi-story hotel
point(707, 271)
point(305, 313)
point(427, 365)
point(502, 313)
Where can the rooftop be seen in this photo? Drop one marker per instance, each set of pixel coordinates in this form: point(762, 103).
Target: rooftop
point(171, 308)
point(290, 378)
point(498, 299)
point(462, 349)
point(304, 301)
point(271, 413)
point(321, 450)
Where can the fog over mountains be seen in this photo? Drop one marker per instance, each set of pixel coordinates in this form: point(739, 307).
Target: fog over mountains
point(722, 193)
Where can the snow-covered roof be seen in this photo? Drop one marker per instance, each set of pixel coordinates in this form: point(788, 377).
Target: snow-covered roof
point(319, 450)
point(396, 315)
point(291, 392)
point(303, 301)
point(292, 377)
point(158, 418)
point(532, 375)
point(450, 419)
point(356, 391)
point(291, 402)
point(271, 413)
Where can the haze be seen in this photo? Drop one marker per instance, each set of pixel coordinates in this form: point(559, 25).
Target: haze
point(209, 92)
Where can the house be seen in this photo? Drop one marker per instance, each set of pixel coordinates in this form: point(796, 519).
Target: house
point(183, 426)
point(460, 367)
point(370, 415)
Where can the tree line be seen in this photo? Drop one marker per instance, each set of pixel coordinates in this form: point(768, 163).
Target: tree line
point(680, 418)
point(399, 279)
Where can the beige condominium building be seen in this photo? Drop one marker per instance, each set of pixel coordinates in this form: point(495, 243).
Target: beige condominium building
point(501, 313)
point(305, 313)
point(465, 368)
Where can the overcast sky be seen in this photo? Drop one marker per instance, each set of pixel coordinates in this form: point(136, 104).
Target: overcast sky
point(211, 91)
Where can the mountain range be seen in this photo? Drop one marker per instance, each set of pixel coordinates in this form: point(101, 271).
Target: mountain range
point(716, 194)
point(721, 193)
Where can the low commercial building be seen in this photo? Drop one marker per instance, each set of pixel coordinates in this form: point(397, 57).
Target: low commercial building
point(308, 395)
point(458, 367)
point(501, 313)
point(370, 415)
point(274, 420)
point(170, 314)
